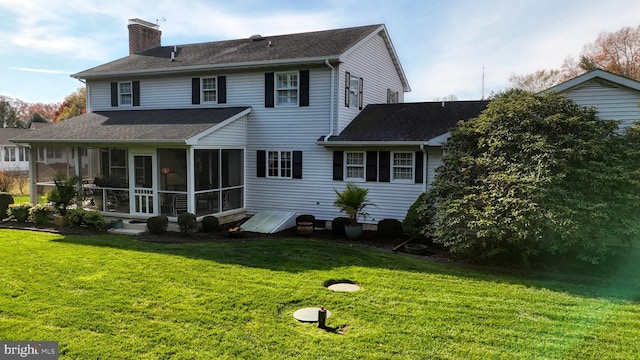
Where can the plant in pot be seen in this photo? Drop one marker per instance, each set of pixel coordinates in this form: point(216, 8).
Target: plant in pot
point(64, 191)
point(352, 201)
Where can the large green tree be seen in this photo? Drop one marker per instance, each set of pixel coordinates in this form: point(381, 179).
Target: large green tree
point(8, 116)
point(73, 105)
point(535, 175)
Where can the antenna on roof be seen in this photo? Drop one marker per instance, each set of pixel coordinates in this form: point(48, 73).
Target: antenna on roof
point(482, 98)
point(158, 20)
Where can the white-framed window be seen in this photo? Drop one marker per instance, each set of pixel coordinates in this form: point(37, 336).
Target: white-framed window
point(9, 154)
point(54, 153)
point(23, 154)
point(41, 154)
point(125, 93)
point(209, 90)
point(392, 97)
point(354, 85)
point(402, 166)
point(353, 91)
point(279, 164)
point(287, 88)
point(354, 165)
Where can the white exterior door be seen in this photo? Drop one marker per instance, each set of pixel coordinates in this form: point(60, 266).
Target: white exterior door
point(143, 190)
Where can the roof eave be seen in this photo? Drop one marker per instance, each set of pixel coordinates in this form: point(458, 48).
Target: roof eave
point(228, 66)
point(100, 141)
point(331, 143)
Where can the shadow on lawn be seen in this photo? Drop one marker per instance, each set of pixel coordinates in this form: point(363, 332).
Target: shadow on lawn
point(298, 255)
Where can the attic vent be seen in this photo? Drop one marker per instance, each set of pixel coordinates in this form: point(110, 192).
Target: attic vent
point(256, 37)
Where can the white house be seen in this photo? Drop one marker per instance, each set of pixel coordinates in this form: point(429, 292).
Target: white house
point(242, 126)
point(615, 97)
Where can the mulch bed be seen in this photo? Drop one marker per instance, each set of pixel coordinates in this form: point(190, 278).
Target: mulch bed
point(369, 238)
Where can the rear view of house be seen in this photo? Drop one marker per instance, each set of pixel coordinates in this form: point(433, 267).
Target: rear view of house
point(241, 126)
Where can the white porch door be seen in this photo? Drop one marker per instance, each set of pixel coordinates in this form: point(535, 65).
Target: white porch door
point(143, 191)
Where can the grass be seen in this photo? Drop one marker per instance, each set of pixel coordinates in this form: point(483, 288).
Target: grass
point(114, 297)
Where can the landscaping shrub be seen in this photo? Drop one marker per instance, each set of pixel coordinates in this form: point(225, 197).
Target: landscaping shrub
point(187, 223)
point(19, 212)
point(419, 219)
point(6, 181)
point(210, 223)
point(93, 219)
point(5, 200)
point(305, 218)
point(337, 225)
point(75, 217)
point(39, 214)
point(157, 224)
point(390, 229)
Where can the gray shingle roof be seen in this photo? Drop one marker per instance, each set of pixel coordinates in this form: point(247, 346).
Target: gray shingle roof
point(135, 125)
point(408, 121)
point(310, 45)
point(10, 133)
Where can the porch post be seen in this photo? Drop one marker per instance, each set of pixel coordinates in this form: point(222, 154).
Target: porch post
point(191, 203)
point(78, 173)
point(33, 197)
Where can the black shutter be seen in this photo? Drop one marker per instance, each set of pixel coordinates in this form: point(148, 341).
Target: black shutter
point(304, 87)
point(195, 91)
point(419, 167)
point(347, 83)
point(261, 163)
point(385, 166)
point(360, 91)
point(268, 90)
point(372, 166)
point(338, 170)
point(136, 93)
point(222, 89)
point(114, 94)
point(297, 164)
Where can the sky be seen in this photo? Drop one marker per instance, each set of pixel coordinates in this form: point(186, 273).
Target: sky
point(445, 47)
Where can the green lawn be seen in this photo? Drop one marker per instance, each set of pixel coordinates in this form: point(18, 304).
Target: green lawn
point(114, 297)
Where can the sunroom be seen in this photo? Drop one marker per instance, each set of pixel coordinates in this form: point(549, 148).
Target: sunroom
point(143, 163)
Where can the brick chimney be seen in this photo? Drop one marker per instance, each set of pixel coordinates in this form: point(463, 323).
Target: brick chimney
point(143, 35)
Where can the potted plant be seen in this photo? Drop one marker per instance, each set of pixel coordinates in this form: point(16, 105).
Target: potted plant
point(352, 201)
point(61, 196)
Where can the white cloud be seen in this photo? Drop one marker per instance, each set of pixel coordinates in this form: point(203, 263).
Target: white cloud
point(41, 71)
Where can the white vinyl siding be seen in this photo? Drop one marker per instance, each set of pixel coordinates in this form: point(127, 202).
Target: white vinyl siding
point(374, 65)
point(612, 102)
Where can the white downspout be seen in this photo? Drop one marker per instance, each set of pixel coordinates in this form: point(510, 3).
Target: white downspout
point(326, 138)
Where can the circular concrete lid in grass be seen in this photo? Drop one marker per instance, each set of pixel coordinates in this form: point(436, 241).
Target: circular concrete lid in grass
point(342, 285)
point(308, 314)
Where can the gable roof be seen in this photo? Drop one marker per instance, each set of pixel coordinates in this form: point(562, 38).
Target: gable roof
point(600, 75)
point(308, 47)
point(405, 123)
point(151, 126)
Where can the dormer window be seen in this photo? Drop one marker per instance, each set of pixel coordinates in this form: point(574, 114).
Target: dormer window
point(125, 94)
point(287, 89)
point(209, 90)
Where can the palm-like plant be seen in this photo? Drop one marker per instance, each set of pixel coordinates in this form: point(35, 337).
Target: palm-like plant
point(352, 201)
point(63, 192)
